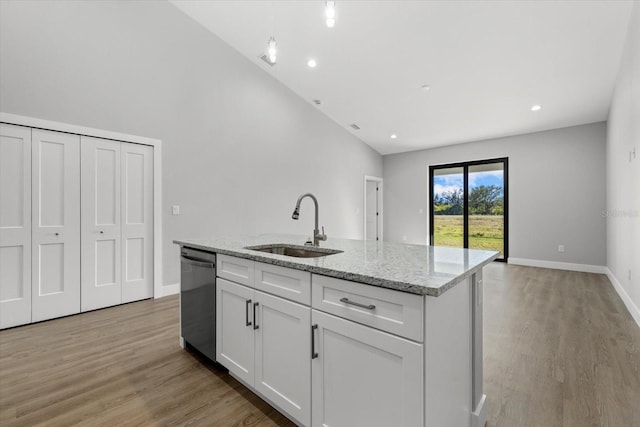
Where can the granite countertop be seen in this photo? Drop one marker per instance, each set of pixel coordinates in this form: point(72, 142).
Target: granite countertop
point(416, 269)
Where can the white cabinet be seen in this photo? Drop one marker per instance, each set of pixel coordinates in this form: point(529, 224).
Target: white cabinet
point(15, 225)
point(55, 232)
point(264, 341)
point(364, 377)
point(234, 329)
point(283, 354)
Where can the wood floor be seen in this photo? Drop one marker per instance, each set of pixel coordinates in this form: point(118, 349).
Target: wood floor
point(560, 350)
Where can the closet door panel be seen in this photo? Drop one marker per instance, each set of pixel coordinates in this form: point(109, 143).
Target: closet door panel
point(15, 225)
point(137, 222)
point(101, 223)
point(55, 224)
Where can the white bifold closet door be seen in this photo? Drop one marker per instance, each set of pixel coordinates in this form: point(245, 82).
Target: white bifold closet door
point(101, 224)
point(137, 221)
point(15, 225)
point(55, 229)
point(117, 222)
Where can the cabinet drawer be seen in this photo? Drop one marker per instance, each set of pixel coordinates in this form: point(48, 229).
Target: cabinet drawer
point(284, 282)
point(237, 270)
point(396, 312)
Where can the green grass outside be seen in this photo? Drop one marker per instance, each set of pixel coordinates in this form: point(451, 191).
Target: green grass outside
point(485, 231)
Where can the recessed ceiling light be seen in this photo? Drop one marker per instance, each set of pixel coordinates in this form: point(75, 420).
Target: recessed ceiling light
point(536, 107)
point(425, 87)
point(312, 63)
point(394, 136)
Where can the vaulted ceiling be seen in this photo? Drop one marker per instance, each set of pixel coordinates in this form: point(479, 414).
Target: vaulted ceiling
point(486, 63)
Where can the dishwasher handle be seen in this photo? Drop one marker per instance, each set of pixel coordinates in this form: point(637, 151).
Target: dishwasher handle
point(197, 262)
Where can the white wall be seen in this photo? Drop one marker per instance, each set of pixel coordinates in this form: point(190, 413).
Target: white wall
point(623, 174)
point(556, 192)
point(238, 146)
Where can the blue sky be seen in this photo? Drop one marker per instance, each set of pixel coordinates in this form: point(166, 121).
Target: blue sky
point(444, 183)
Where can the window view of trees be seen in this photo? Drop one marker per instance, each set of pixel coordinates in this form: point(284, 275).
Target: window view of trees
point(483, 200)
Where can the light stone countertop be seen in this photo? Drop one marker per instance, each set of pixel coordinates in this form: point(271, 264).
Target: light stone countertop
point(416, 269)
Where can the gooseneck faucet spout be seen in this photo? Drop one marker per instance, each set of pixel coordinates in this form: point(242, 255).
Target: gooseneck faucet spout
point(317, 236)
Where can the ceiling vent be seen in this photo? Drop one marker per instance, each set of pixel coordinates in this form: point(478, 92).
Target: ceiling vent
point(265, 58)
point(355, 126)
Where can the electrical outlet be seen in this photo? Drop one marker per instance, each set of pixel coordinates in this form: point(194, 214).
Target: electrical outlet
point(175, 210)
point(560, 248)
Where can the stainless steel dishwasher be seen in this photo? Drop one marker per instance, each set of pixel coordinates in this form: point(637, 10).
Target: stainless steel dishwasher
point(198, 300)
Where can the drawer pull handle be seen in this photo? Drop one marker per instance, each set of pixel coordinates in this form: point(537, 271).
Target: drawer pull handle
point(357, 304)
point(314, 354)
point(246, 313)
point(255, 320)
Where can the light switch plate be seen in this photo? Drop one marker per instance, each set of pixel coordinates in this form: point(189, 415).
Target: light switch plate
point(175, 210)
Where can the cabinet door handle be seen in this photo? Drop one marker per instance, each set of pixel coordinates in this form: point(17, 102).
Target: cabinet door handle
point(255, 320)
point(357, 304)
point(314, 355)
point(246, 313)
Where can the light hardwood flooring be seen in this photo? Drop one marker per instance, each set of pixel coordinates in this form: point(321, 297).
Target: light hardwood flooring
point(560, 350)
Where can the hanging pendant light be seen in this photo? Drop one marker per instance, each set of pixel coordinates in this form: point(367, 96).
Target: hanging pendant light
point(330, 13)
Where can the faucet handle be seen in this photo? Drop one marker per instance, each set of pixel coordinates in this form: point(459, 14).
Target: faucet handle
point(322, 236)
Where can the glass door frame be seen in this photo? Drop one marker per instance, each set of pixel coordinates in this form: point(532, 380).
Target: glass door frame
point(465, 214)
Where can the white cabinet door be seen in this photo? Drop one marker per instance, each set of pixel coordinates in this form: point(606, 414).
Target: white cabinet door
point(15, 225)
point(364, 377)
point(283, 355)
point(234, 328)
point(137, 222)
point(101, 232)
point(55, 224)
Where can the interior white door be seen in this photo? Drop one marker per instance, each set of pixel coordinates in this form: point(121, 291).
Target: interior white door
point(137, 221)
point(363, 377)
point(372, 210)
point(101, 217)
point(234, 328)
point(15, 225)
point(283, 355)
point(55, 224)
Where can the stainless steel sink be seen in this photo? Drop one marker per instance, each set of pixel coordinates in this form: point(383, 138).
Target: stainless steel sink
point(294, 251)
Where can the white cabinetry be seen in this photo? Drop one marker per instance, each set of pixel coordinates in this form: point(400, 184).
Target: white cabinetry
point(263, 339)
point(15, 225)
point(364, 377)
point(55, 228)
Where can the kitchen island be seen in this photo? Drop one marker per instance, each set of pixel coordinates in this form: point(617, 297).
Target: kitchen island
point(373, 333)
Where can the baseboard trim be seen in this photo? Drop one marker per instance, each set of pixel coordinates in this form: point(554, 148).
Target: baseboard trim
point(170, 290)
point(479, 416)
point(585, 268)
point(624, 296)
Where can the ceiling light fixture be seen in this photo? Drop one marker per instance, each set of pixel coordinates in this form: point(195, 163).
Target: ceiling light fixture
point(394, 136)
point(330, 13)
point(312, 63)
point(272, 50)
point(536, 107)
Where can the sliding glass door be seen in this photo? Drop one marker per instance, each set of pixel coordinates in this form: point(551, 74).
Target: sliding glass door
point(468, 206)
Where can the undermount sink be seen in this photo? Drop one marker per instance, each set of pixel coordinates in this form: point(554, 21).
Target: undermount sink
point(294, 251)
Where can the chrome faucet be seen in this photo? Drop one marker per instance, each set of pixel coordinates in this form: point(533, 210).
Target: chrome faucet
point(317, 236)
